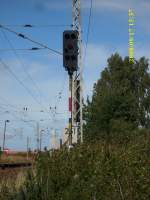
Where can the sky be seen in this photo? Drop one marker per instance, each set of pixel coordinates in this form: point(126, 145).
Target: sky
point(37, 80)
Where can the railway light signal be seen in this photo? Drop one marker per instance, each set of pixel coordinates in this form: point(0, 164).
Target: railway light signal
point(70, 50)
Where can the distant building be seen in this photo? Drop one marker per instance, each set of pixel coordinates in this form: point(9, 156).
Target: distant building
point(54, 143)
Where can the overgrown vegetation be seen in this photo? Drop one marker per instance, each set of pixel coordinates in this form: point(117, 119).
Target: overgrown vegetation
point(0, 153)
point(113, 162)
point(101, 171)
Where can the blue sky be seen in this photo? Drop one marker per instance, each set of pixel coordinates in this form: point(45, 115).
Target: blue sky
point(108, 34)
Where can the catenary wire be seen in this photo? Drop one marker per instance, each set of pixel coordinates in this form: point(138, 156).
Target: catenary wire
point(19, 81)
point(29, 39)
point(37, 26)
point(22, 64)
point(62, 89)
point(21, 49)
point(88, 29)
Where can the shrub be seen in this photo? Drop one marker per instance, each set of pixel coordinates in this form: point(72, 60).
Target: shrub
point(100, 171)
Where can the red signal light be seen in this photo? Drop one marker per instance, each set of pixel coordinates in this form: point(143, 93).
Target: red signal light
point(70, 46)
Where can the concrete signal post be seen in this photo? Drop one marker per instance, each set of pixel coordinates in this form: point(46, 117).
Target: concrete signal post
point(6, 121)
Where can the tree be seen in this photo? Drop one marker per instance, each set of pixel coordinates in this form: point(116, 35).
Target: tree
point(120, 96)
point(0, 152)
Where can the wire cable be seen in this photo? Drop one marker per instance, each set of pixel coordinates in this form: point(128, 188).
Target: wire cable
point(28, 49)
point(29, 39)
point(37, 26)
point(58, 99)
point(22, 65)
point(61, 91)
point(88, 30)
point(5, 102)
point(19, 81)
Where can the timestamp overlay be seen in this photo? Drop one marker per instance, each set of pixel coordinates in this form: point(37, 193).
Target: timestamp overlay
point(131, 31)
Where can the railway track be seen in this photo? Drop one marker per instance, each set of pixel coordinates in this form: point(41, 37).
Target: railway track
point(14, 165)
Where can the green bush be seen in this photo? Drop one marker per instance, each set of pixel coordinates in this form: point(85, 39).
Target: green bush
point(98, 171)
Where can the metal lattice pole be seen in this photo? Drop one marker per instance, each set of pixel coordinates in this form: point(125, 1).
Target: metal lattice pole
point(77, 82)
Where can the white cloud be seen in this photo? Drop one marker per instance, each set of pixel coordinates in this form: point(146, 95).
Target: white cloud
point(141, 51)
point(95, 62)
point(44, 75)
point(51, 4)
point(48, 83)
point(97, 55)
point(108, 4)
point(141, 6)
point(120, 5)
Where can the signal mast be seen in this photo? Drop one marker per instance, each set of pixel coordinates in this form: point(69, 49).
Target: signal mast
point(72, 61)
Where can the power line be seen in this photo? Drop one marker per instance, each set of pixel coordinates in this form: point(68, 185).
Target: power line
point(61, 91)
point(6, 103)
point(89, 25)
point(19, 81)
point(22, 64)
point(9, 109)
point(16, 117)
point(29, 39)
point(28, 49)
point(37, 26)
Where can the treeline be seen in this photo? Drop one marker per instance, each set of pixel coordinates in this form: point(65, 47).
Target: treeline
point(121, 100)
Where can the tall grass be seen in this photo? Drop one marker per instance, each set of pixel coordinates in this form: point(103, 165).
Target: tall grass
point(99, 171)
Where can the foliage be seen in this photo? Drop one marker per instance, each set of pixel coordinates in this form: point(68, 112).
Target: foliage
point(0, 152)
point(98, 171)
point(114, 167)
point(121, 99)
